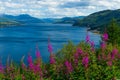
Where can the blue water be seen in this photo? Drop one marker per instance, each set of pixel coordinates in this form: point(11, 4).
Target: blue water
point(18, 41)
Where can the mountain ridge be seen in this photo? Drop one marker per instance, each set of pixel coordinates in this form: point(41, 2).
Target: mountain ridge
point(23, 18)
point(99, 20)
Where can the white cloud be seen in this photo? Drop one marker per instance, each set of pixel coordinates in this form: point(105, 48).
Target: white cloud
point(13, 5)
point(56, 8)
point(1, 9)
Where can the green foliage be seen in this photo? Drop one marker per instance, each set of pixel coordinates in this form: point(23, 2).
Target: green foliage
point(113, 31)
point(66, 51)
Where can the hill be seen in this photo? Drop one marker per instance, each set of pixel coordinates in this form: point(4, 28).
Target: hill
point(20, 19)
point(99, 20)
point(23, 18)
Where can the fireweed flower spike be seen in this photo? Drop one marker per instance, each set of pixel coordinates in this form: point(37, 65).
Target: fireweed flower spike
point(85, 61)
point(1, 68)
point(76, 57)
point(37, 52)
point(109, 63)
point(105, 36)
point(30, 62)
point(37, 69)
point(68, 66)
point(109, 56)
point(99, 57)
point(103, 45)
point(114, 53)
point(79, 51)
point(50, 48)
point(52, 59)
point(29, 59)
point(92, 45)
point(87, 38)
point(23, 66)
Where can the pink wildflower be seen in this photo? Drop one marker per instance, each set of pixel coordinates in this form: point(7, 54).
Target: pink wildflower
point(37, 70)
point(85, 61)
point(115, 51)
point(37, 53)
point(76, 61)
point(87, 38)
point(109, 63)
point(30, 62)
point(23, 66)
point(52, 60)
point(76, 57)
point(105, 36)
point(92, 45)
point(99, 57)
point(104, 57)
point(79, 51)
point(68, 66)
point(103, 45)
point(50, 49)
point(109, 56)
point(1, 68)
point(118, 56)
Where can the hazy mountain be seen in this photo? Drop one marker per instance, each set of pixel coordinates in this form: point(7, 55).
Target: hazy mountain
point(69, 19)
point(50, 20)
point(23, 18)
point(62, 20)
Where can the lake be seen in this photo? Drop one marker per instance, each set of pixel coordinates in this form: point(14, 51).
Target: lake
point(18, 41)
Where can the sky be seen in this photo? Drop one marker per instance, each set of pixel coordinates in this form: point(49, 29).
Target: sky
point(56, 8)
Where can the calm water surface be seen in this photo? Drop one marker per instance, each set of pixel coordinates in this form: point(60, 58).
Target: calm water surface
point(19, 41)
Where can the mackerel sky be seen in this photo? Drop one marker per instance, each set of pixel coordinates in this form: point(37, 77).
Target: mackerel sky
point(56, 8)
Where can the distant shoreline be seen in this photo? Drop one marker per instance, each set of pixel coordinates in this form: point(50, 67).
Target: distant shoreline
point(95, 31)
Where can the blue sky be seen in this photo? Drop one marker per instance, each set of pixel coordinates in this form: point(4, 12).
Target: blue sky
point(56, 8)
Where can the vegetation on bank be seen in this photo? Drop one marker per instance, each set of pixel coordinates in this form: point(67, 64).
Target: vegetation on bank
point(72, 62)
point(6, 22)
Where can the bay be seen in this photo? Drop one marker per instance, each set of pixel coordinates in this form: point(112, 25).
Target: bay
point(18, 41)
